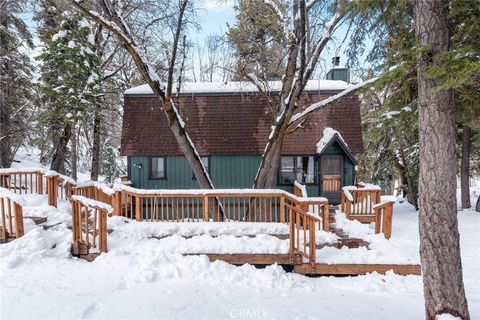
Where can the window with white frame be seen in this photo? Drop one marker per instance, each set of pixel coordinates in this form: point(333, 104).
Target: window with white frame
point(297, 168)
point(157, 168)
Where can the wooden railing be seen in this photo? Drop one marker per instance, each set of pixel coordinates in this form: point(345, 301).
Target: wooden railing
point(194, 207)
point(383, 218)
point(22, 181)
point(299, 189)
point(58, 186)
point(201, 205)
point(37, 181)
point(248, 205)
point(316, 206)
point(303, 228)
point(11, 212)
point(357, 203)
point(89, 225)
point(96, 191)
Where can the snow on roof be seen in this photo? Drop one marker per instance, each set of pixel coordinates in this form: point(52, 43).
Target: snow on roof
point(327, 136)
point(241, 86)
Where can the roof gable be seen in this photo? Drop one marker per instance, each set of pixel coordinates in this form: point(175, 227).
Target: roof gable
point(337, 139)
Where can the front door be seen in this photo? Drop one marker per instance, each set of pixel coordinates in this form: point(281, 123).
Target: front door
point(331, 177)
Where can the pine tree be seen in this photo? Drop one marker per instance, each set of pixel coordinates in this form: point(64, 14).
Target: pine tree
point(111, 163)
point(257, 40)
point(69, 76)
point(15, 79)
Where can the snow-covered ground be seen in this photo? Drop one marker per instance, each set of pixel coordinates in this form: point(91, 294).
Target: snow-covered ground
point(147, 278)
point(144, 277)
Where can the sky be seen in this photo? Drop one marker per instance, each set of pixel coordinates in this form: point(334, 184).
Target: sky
point(213, 18)
point(216, 14)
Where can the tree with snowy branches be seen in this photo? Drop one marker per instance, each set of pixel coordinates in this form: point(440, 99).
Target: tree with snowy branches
point(68, 78)
point(15, 79)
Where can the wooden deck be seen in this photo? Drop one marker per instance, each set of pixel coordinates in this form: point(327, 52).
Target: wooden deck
point(320, 269)
point(303, 215)
point(356, 269)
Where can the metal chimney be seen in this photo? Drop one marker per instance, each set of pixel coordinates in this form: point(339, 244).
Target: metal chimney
point(336, 61)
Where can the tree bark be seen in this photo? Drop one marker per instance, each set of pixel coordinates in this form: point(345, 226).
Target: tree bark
point(95, 170)
point(5, 108)
point(477, 207)
point(439, 238)
point(465, 167)
point(60, 143)
point(74, 153)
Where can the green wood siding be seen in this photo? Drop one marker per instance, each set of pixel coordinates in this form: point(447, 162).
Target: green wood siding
point(225, 171)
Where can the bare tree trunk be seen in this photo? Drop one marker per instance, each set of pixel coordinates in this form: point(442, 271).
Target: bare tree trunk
point(465, 167)
point(439, 239)
point(60, 143)
point(117, 26)
point(74, 152)
point(95, 171)
point(477, 207)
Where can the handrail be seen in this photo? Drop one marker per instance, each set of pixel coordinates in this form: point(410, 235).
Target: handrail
point(33, 180)
point(96, 191)
point(302, 235)
point(264, 205)
point(22, 181)
point(89, 221)
point(11, 212)
point(299, 189)
point(358, 202)
point(383, 218)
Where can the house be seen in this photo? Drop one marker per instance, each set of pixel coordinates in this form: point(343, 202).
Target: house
point(229, 125)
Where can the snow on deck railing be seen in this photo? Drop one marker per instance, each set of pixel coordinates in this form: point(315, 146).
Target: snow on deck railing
point(383, 203)
point(302, 188)
point(213, 192)
point(5, 193)
point(93, 203)
point(347, 193)
point(101, 186)
point(65, 179)
point(21, 170)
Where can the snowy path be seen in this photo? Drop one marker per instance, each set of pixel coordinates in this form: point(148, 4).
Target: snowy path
point(145, 278)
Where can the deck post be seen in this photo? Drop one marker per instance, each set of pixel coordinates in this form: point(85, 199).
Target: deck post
point(313, 245)
point(138, 208)
point(282, 209)
point(326, 217)
point(39, 176)
point(18, 211)
point(387, 221)
point(292, 235)
point(117, 203)
point(378, 196)
point(102, 234)
point(205, 209)
point(75, 229)
point(52, 190)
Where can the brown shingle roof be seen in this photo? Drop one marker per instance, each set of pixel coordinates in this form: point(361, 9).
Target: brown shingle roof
point(232, 124)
